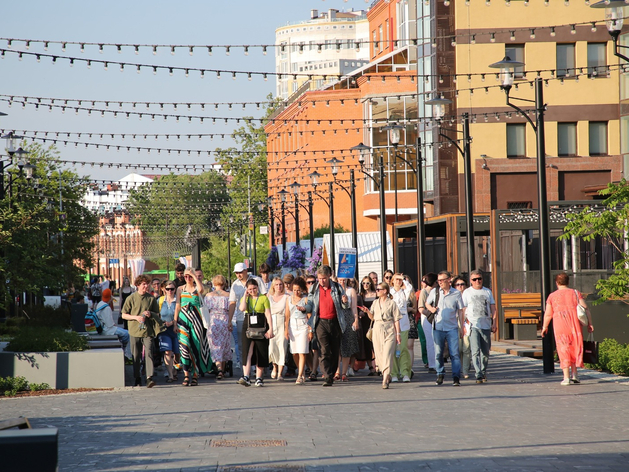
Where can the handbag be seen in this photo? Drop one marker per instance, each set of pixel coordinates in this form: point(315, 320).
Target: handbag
point(369, 333)
point(590, 350)
point(256, 333)
point(581, 313)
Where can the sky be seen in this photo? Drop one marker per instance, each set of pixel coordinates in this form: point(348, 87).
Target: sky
point(143, 22)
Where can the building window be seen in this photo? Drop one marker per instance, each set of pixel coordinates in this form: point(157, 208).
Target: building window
point(566, 139)
point(516, 53)
point(380, 38)
point(374, 42)
point(519, 205)
point(565, 60)
point(598, 138)
point(516, 140)
point(597, 60)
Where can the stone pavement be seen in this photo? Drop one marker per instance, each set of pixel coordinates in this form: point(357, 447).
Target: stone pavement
point(521, 420)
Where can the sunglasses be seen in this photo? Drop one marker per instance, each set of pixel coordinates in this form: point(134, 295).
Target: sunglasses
point(170, 289)
point(460, 285)
point(310, 282)
point(366, 283)
point(477, 279)
point(442, 280)
point(387, 276)
point(379, 289)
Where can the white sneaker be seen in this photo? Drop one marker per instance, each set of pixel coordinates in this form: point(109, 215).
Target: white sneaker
point(350, 372)
point(406, 379)
point(395, 379)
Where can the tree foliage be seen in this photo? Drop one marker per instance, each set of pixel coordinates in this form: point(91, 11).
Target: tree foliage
point(321, 230)
point(612, 224)
point(176, 210)
point(245, 164)
point(46, 233)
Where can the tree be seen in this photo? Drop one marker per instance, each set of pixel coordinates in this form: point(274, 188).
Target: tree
point(46, 233)
point(612, 224)
point(321, 230)
point(176, 210)
point(246, 166)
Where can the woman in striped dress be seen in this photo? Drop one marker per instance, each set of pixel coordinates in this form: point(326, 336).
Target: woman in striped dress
point(195, 351)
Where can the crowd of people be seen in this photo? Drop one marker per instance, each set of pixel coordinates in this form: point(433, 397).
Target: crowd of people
point(319, 327)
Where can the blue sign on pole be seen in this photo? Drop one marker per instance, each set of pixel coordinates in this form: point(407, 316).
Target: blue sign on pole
point(114, 261)
point(347, 263)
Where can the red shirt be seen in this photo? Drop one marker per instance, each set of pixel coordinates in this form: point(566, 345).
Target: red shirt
point(327, 310)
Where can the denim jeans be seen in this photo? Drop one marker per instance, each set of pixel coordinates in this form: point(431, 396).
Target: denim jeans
point(452, 337)
point(480, 341)
point(123, 337)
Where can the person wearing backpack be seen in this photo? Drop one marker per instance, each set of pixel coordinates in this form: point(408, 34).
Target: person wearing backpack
point(446, 304)
point(106, 317)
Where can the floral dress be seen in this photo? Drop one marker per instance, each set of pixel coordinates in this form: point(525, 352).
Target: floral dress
point(218, 334)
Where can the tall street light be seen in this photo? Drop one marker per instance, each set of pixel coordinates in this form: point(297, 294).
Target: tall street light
point(269, 202)
point(507, 74)
point(438, 106)
point(614, 17)
point(314, 177)
point(295, 188)
point(394, 130)
point(394, 138)
point(282, 193)
point(364, 154)
point(352, 197)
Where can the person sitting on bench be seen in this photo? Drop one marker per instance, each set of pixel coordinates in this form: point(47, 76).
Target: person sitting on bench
point(105, 314)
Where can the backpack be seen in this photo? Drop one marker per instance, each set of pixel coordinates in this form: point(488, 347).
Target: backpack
point(92, 321)
point(96, 290)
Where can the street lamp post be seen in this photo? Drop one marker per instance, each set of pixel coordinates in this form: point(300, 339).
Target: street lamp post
point(269, 201)
point(295, 187)
point(507, 72)
point(394, 131)
point(314, 177)
point(364, 153)
point(438, 105)
point(394, 138)
point(352, 197)
point(614, 18)
point(282, 193)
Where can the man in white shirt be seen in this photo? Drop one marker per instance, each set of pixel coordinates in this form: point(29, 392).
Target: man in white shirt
point(106, 317)
point(480, 310)
point(236, 292)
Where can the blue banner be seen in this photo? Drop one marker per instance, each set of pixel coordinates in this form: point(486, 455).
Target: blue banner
point(347, 263)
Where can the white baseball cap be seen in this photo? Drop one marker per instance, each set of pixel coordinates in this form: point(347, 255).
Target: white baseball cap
point(240, 267)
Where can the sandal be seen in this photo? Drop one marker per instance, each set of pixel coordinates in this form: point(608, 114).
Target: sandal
point(344, 378)
point(194, 382)
point(219, 375)
point(313, 377)
point(186, 382)
point(337, 376)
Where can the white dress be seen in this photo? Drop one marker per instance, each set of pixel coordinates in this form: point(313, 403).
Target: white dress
point(278, 343)
point(298, 328)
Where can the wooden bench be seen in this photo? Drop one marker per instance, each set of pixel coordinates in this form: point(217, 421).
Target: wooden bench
point(522, 313)
point(101, 341)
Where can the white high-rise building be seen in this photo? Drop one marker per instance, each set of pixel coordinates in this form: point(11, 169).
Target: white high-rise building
point(331, 43)
point(113, 196)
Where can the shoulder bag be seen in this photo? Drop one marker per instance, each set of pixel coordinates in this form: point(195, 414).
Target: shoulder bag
point(256, 333)
point(581, 313)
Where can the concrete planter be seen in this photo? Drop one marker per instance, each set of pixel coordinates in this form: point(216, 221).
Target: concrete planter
point(610, 321)
point(99, 368)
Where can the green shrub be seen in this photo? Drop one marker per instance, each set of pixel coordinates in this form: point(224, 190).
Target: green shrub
point(36, 387)
point(39, 315)
point(39, 339)
point(10, 386)
point(613, 357)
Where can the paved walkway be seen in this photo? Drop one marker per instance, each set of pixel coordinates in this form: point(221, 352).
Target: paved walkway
point(521, 420)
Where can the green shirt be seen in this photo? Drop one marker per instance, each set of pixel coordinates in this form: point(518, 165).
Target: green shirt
point(135, 305)
point(257, 305)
